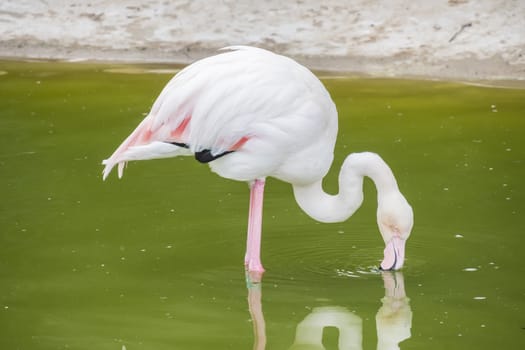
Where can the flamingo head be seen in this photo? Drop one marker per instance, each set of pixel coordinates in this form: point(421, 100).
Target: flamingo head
point(395, 219)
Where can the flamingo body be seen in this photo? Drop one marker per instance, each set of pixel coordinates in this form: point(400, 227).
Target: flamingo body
point(251, 114)
point(279, 112)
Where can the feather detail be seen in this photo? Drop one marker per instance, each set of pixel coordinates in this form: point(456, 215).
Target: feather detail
point(242, 99)
point(144, 143)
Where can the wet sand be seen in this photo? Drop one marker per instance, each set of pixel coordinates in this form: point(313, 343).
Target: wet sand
point(455, 39)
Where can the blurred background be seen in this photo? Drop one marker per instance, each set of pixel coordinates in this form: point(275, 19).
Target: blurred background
point(464, 39)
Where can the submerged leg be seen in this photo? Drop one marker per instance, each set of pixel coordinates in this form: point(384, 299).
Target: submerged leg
point(252, 259)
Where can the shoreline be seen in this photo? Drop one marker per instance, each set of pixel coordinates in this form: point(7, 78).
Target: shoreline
point(493, 72)
point(454, 40)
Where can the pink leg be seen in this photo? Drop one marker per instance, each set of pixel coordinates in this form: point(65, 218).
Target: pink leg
point(252, 259)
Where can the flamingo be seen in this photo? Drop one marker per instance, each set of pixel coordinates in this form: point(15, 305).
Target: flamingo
point(251, 114)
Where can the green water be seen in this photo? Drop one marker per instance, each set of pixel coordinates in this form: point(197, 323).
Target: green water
point(154, 261)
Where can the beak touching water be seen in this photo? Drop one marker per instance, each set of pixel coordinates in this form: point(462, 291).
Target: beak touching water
point(394, 254)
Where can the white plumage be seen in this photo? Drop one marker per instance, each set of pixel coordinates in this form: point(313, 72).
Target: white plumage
point(252, 114)
point(246, 92)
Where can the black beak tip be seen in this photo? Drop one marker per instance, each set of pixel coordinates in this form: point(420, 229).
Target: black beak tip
point(393, 267)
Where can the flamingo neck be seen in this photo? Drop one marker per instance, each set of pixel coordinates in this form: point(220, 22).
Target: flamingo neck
point(325, 207)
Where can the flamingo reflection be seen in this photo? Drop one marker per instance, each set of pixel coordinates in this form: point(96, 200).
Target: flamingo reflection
point(393, 320)
point(394, 317)
point(255, 307)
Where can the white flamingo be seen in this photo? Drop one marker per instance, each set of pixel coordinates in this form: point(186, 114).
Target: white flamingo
point(250, 114)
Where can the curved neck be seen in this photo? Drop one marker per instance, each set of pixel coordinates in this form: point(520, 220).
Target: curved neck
point(325, 207)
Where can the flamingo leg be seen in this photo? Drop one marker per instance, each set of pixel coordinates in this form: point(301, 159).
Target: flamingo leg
point(252, 259)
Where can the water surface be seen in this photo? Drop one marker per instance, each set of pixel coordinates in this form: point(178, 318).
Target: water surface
point(154, 261)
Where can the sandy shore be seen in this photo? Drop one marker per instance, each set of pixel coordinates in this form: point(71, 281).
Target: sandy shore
point(454, 39)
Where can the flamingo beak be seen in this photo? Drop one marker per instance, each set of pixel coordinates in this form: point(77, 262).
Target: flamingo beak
point(394, 254)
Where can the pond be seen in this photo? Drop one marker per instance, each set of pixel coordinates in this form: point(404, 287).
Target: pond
point(155, 260)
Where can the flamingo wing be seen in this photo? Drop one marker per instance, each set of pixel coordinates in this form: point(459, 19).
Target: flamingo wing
point(218, 104)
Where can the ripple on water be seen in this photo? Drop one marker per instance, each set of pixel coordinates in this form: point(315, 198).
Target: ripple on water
point(329, 254)
point(354, 253)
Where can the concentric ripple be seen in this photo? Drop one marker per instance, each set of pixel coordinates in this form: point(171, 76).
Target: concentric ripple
point(328, 252)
